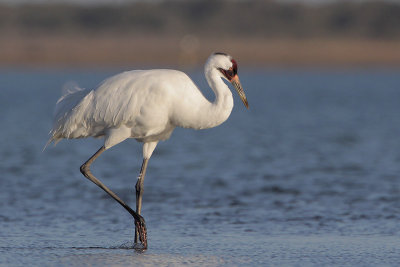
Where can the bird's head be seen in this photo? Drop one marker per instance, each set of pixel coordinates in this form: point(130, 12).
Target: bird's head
point(227, 68)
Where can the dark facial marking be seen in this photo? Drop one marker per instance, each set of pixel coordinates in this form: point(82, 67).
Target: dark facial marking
point(234, 67)
point(227, 73)
point(231, 72)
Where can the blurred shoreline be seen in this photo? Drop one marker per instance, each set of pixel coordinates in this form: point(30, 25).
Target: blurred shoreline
point(184, 33)
point(190, 51)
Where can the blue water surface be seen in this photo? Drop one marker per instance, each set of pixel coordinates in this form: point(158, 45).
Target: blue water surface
point(309, 175)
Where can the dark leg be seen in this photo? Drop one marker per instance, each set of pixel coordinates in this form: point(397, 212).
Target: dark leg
point(139, 191)
point(139, 221)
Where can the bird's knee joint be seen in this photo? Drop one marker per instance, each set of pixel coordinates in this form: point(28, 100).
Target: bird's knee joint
point(84, 168)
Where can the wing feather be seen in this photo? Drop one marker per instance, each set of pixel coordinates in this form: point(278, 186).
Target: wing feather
point(138, 100)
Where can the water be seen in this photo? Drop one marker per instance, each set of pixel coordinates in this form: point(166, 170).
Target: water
point(308, 176)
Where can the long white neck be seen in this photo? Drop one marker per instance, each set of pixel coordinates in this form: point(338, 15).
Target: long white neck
point(213, 114)
point(193, 110)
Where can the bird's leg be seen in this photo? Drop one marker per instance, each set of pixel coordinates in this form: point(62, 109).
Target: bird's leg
point(139, 192)
point(139, 221)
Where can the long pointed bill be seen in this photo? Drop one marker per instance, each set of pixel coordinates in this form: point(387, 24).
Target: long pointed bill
point(236, 83)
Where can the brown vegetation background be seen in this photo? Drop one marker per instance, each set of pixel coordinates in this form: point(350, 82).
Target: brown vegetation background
point(184, 33)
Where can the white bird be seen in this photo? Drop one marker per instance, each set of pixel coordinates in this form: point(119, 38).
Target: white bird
point(146, 105)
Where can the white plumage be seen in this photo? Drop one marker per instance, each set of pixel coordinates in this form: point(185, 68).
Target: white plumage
point(146, 105)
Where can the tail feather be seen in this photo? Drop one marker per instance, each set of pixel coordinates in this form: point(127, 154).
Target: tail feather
point(48, 143)
point(65, 107)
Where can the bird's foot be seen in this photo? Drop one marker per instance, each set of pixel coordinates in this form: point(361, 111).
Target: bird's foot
point(141, 227)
